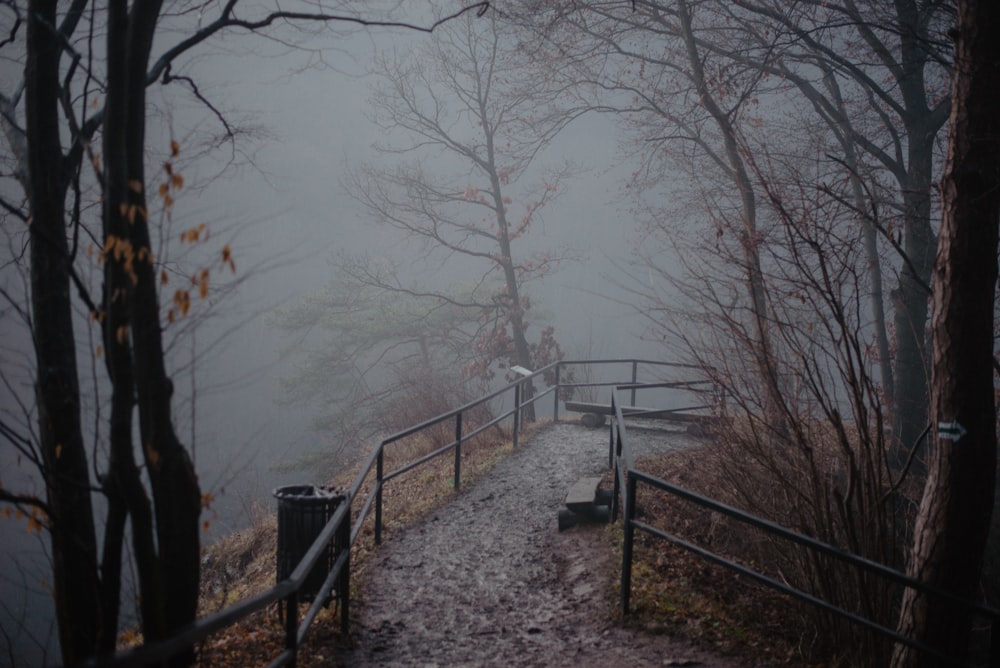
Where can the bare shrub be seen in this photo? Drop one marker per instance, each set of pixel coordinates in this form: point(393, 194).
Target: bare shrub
point(813, 453)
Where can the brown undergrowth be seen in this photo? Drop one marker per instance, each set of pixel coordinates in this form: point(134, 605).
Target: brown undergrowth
point(676, 592)
point(244, 563)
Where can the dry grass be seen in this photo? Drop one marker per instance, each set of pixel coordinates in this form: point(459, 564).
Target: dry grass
point(244, 564)
point(673, 591)
point(677, 592)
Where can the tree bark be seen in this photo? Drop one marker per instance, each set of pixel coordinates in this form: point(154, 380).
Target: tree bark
point(122, 483)
point(954, 517)
point(515, 311)
point(67, 480)
point(173, 585)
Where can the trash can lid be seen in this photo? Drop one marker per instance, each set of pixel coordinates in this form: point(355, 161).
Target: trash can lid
point(307, 492)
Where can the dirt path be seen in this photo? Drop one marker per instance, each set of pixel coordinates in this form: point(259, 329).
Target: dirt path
point(489, 580)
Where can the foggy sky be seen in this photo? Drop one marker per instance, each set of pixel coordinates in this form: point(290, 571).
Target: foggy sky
point(286, 211)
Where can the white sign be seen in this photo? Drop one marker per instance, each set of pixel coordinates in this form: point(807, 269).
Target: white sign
point(951, 431)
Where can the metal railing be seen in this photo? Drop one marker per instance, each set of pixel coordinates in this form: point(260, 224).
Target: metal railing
point(628, 479)
point(345, 528)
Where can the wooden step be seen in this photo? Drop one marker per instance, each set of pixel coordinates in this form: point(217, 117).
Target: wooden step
point(582, 494)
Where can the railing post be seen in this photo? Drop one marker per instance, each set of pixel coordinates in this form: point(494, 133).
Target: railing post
point(517, 412)
point(611, 438)
point(635, 379)
point(343, 542)
point(458, 451)
point(555, 408)
point(616, 490)
point(378, 494)
point(292, 625)
point(629, 537)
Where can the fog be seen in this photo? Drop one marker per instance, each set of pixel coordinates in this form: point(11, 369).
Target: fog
point(281, 208)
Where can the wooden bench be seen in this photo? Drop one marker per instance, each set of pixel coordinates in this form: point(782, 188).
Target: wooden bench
point(585, 502)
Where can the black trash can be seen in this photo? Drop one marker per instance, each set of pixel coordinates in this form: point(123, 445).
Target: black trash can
point(303, 511)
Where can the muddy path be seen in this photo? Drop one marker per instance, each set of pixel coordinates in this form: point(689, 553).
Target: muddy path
point(489, 580)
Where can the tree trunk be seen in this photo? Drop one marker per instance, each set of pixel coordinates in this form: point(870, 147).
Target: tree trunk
point(772, 402)
point(911, 297)
point(954, 516)
point(123, 484)
point(911, 306)
point(869, 234)
point(176, 495)
point(515, 312)
point(67, 479)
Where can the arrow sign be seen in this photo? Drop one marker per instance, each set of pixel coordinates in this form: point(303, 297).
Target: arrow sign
point(951, 431)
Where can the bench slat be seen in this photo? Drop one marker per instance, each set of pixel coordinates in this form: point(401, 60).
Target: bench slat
point(582, 493)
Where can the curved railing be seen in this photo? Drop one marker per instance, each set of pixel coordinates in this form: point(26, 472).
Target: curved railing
point(343, 529)
point(628, 479)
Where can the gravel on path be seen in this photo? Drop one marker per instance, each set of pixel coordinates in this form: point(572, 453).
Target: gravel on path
point(488, 580)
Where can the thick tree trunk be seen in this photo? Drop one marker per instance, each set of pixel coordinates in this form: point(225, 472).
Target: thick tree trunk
point(173, 581)
point(123, 484)
point(74, 543)
point(954, 517)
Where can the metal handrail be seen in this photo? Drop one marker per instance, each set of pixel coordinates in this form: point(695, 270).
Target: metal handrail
point(627, 478)
point(288, 589)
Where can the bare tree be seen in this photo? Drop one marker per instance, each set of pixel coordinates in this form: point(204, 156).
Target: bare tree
point(875, 75)
point(465, 125)
point(51, 125)
point(371, 356)
point(817, 136)
point(857, 48)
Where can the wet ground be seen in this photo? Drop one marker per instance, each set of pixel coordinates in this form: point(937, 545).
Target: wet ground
point(488, 580)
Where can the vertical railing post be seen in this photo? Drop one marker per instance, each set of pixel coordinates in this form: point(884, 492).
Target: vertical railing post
point(517, 412)
point(378, 494)
point(629, 536)
point(343, 542)
point(635, 379)
point(458, 451)
point(614, 430)
point(555, 408)
point(292, 625)
point(616, 474)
